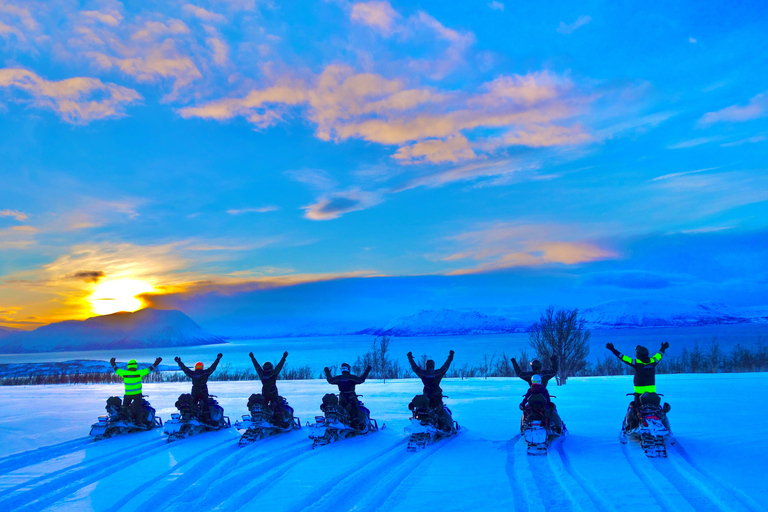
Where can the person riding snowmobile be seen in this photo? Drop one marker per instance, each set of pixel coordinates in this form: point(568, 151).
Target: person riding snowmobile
point(550, 411)
point(536, 370)
point(268, 375)
point(199, 382)
point(645, 376)
point(347, 395)
point(431, 378)
point(132, 379)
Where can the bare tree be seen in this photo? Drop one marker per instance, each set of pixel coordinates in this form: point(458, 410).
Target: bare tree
point(561, 333)
point(384, 361)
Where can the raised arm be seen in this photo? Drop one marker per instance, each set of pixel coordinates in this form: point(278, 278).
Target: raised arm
point(554, 365)
point(415, 367)
point(447, 364)
point(328, 376)
point(279, 366)
point(212, 368)
point(364, 375)
point(624, 359)
point(256, 365)
point(113, 362)
point(183, 367)
point(516, 366)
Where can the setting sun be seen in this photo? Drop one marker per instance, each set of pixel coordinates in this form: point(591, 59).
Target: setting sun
point(119, 295)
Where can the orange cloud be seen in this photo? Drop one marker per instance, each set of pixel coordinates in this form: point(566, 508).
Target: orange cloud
point(70, 98)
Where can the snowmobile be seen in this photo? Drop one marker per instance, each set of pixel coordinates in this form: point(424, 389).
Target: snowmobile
point(427, 426)
point(540, 425)
point(266, 421)
point(118, 420)
point(190, 420)
point(337, 423)
point(650, 425)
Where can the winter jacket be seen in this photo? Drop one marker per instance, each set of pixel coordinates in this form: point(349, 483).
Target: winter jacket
point(645, 372)
point(346, 381)
point(536, 389)
point(132, 379)
point(545, 375)
point(268, 378)
point(199, 377)
point(431, 378)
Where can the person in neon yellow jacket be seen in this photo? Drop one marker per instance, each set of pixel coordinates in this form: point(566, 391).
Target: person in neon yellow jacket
point(132, 379)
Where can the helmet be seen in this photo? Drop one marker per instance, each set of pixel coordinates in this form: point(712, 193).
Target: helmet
point(198, 365)
point(641, 353)
point(345, 367)
point(536, 379)
point(132, 365)
point(535, 365)
point(430, 364)
point(268, 366)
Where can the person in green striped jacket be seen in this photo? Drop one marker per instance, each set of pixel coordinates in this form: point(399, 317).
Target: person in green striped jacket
point(132, 379)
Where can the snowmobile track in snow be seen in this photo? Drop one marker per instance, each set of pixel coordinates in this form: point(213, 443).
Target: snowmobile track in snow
point(31, 457)
point(387, 467)
point(521, 493)
point(61, 483)
point(597, 499)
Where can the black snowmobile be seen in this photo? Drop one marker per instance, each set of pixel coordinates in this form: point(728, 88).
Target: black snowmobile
point(540, 425)
point(337, 423)
point(428, 424)
point(266, 420)
point(190, 420)
point(648, 422)
point(119, 420)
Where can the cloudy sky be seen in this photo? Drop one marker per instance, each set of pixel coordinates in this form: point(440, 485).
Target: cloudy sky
point(587, 151)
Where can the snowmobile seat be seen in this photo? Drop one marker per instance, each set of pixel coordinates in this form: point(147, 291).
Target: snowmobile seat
point(537, 400)
point(419, 402)
point(650, 399)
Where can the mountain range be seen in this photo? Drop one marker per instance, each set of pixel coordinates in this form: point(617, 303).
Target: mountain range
point(144, 328)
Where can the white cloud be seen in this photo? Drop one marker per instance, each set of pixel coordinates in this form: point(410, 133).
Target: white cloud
point(571, 28)
point(19, 216)
point(262, 209)
point(379, 15)
point(756, 108)
point(496, 5)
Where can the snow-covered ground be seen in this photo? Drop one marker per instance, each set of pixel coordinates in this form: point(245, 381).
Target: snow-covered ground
point(48, 463)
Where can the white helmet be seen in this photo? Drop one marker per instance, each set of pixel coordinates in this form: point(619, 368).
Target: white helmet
point(536, 379)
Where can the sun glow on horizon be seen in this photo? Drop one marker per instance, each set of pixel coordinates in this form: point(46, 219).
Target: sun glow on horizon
point(118, 295)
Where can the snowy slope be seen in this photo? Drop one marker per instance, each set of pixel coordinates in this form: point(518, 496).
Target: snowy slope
point(5, 331)
point(144, 328)
point(664, 313)
point(441, 322)
point(48, 464)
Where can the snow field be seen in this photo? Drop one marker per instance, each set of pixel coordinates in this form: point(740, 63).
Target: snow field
point(48, 463)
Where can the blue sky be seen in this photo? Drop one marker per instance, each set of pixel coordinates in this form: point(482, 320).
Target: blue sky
point(229, 145)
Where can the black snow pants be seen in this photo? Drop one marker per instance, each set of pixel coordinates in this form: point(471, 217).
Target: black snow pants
point(134, 404)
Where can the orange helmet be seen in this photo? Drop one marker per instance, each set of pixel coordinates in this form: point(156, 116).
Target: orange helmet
point(198, 365)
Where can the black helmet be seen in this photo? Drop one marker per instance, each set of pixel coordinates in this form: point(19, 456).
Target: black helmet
point(535, 365)
point(641, 353)
point(268, 366)
point(345, 367)
point(430, 364)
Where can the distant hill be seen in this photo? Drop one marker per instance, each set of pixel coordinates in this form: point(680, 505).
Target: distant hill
point(448, 322)
point(142, 329)
point(668, 313)
point(5, 332)
point(68, 367)
point(621, 313)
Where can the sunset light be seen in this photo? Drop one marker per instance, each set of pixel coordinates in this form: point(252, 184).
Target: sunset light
point(119, 295)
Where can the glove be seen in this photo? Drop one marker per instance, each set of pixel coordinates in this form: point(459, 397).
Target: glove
point(327, 370)
point(610, 347)
point(285, 354)
point(664, 346)
point(219, 355)
point(112, 362)
point(451, 352)
point(410, 355)
point(513, 360)
point(521, 407)
point(251, 354)
point(177, 359)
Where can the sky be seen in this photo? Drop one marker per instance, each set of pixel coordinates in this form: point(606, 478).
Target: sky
point(504, 152)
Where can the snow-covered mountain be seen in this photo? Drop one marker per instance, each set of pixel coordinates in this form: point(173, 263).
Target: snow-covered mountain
point(667, 313)
point(142, 329)
point(436, 322)
point(621, 313)
point(5, 332)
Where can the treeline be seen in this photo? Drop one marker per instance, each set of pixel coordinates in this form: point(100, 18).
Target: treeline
point(710, 359)
point(224, 372)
